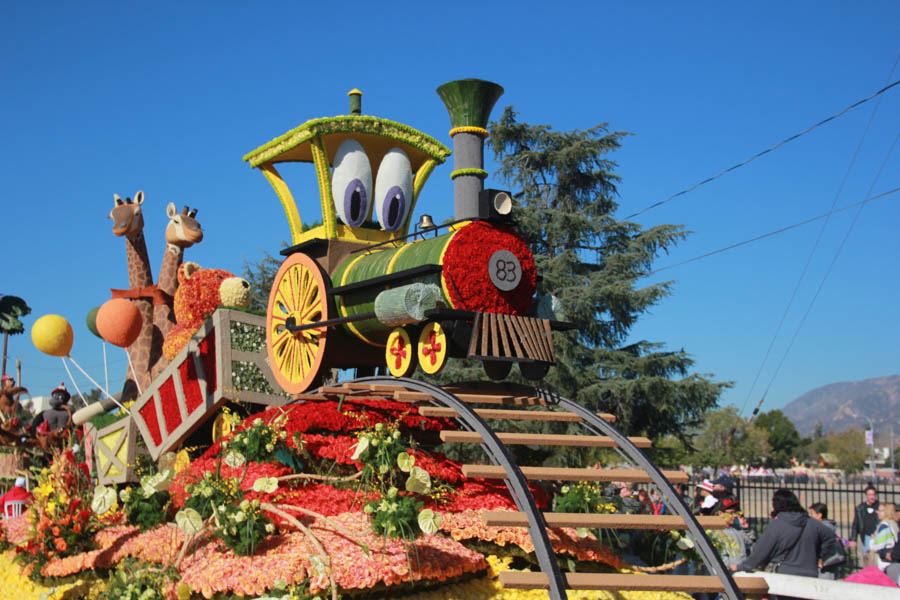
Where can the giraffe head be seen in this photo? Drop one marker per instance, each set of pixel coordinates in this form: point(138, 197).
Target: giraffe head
point(127, 216)
point(184, 230)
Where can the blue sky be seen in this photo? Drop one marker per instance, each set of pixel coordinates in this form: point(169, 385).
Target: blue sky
point(103, 98)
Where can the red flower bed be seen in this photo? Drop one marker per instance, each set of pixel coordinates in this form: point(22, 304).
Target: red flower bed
point(354, 415)
point(321, 498)
point(210, 463)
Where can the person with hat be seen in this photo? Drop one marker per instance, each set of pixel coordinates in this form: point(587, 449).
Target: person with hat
point(705, 501)
point(17, 493)
point(49, 427)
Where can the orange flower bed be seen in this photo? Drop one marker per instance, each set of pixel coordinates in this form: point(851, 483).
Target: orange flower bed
point(288, 558)
point(469, 525)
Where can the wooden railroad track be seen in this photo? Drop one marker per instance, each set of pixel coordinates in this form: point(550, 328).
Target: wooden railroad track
point(467, 403)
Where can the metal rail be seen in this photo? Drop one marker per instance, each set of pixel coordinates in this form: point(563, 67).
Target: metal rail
point(708, 553)
point(498, 453)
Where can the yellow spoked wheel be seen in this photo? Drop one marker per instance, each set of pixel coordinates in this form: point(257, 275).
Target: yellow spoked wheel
point(400, 353)
point(432, 348)
point(299, 296)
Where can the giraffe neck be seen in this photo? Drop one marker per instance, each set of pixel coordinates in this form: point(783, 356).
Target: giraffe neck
point(139, 273)
point(168, 272)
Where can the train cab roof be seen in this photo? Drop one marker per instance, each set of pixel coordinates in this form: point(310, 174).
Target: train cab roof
point(375, 134)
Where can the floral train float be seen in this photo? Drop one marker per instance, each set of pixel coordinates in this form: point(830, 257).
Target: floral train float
point(239, 472)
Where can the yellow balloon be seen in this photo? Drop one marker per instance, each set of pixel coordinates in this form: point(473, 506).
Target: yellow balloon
point(52, 335)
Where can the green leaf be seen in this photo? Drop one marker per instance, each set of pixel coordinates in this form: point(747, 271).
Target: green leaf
point(405, 461)
point(419, 481)
point(429, 521)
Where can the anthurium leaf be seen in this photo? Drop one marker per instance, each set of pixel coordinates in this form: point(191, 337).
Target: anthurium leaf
point(359, 447)
point(235, 460)
point(429, 521)
point(405, 461)
point(188, 520)
point(104, 499)
point(419, 481)
point(265, 484)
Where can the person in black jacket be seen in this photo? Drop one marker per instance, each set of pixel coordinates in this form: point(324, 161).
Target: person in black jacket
point(793, 540)
point(865, 521)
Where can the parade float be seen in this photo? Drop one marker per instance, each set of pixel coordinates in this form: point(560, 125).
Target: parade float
point(240, 469)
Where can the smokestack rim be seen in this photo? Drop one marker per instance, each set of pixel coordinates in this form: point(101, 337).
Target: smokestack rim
point(470, 101)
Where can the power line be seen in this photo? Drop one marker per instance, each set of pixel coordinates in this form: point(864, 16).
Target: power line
point(813, 249)
point(766, 151)
point(776, 232)
point(837, 253)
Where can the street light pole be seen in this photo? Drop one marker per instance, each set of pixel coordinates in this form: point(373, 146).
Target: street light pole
point(872, 452)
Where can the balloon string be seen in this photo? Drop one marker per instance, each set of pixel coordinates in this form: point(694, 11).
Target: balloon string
point(105, 368)
point(72, 379)
point(97, 385)
point(133, 374)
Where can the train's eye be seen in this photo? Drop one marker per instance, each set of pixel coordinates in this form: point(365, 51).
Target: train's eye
point(351, 183)
point(393, 190)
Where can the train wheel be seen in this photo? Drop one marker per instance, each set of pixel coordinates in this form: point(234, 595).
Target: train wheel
point(534, 371)
point(400, 353)
point(299, 292)
point(432, 348)
point(497, 369)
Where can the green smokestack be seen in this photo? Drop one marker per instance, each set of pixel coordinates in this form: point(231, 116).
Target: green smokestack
point(469, 102)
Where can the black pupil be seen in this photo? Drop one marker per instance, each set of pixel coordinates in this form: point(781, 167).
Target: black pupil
point(393, 210)
point(355, 205)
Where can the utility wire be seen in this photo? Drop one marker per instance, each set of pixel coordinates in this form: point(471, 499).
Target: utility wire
point(766, 151)
point(813, 251)
point(825, 277)
point(776, 232)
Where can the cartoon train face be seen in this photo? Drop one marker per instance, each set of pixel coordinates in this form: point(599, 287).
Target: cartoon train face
point(359, 291)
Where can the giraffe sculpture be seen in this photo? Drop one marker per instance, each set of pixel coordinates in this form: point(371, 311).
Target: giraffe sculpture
point(182, 232)
point(128, 221)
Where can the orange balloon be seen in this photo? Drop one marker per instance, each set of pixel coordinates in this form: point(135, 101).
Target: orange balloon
point(119, 322)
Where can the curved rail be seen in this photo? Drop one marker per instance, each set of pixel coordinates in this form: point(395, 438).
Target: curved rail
point(543, 549)
point(708, 553)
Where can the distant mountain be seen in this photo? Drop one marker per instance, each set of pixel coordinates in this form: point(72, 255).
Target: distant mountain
point(835, 404)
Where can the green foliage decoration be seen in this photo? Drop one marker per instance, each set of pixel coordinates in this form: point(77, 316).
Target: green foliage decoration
point(260, 442)
point(143, 510)
point(135, 580)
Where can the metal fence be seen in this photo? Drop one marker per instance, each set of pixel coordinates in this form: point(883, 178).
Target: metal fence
point(841, 499)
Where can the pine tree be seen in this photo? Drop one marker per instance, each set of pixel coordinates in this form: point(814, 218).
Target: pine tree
point(566, 187)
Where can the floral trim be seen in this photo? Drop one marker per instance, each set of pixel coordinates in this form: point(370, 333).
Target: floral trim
point(470, 129)
point(470, 171)
point(348, 124)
